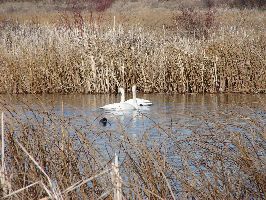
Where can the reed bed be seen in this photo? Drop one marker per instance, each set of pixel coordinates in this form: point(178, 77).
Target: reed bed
point(218, 156)
point(81, 56)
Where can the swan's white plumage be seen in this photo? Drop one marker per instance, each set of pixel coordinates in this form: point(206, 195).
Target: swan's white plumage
point(137, 101)
point(119, 106)
point(122, 105)
point(140, 102)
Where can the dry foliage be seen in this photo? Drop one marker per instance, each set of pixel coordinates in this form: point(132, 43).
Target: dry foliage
point(198, 24)
point(82, 56)
point(221, 156)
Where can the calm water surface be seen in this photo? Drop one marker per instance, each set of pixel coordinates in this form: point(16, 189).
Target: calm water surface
point(178, 115)
point(166, 110)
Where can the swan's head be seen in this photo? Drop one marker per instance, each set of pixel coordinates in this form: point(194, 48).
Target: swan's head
point(121, 90)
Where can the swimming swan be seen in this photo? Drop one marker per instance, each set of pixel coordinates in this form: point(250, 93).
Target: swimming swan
point(122, 105)
point(137, 101)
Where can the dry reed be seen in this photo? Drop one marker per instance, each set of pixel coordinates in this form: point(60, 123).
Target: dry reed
point(222, 156)
point(79, 55)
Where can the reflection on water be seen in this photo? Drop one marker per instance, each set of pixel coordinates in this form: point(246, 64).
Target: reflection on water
point(169, 121)
point(166, 108)
point(175, 127)
point(177, 113)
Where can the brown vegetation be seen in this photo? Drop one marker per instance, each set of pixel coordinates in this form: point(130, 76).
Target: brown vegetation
point(223, 157)
point(188, 51)
point(68, 48)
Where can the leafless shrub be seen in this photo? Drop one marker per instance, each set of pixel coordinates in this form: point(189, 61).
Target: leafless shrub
point(196, 23)
point(102, 5)
point(209, 3)
point(247, 3)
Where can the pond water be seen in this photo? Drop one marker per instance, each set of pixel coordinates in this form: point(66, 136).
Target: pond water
point(171, 118)
point(169, 111)
point(163, 104)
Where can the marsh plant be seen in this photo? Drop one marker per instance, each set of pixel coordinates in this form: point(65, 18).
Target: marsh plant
point(48, 154)
point(80, 55)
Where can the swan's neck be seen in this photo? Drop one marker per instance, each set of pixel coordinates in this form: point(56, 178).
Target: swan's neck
point(122, 96)
point(134, 92)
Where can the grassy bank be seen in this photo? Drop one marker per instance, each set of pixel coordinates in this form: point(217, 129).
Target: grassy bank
point(223, 157)
point(182, 52)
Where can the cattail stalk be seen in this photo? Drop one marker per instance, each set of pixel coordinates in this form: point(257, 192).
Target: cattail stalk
point(3, 143)
point(116, 180)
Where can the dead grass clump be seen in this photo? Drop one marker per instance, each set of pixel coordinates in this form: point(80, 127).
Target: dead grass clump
point(54, 161)
point(199, 24)
point(247, 3)
point(241, 59)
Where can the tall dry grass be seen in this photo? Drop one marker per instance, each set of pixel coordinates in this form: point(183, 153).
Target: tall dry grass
point(222, 51)
point(218, 156)
point(46, 59)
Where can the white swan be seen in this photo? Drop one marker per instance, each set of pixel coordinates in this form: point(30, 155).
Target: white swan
point(122, 105)
point(137, 101)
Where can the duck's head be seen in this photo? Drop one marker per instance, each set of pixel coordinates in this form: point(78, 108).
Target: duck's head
point(103, 121)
